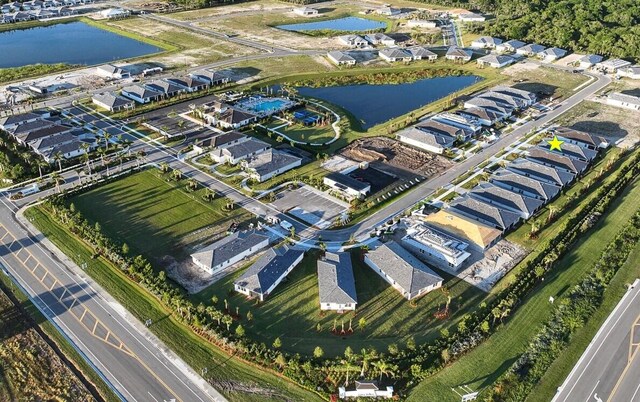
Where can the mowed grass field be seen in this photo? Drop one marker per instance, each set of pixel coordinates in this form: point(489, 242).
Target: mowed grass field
point(480, 368)
point(155, 217)
point(292, 311)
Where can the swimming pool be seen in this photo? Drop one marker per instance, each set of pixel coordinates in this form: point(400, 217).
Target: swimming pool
point(264, 105)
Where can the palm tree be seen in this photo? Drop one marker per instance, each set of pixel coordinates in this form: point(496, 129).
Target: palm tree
point(41, 164)
point(58, 158)
point(101, 152)
point(348, 365)
point(106, 136)
point(227, 320)
point(55, 176)
point(383, 368)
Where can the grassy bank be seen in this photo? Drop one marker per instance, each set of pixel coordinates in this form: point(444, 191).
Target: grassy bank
point(33, 70)
point(487, 362)
point(61, 343)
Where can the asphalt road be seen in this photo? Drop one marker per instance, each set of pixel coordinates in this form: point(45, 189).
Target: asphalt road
point(119, 347)
point(609, 369)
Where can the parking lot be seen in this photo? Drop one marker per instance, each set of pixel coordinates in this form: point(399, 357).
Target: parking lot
point(310, 205)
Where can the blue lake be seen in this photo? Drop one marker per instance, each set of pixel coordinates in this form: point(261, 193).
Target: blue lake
point(340, 24)
point(375, 104)
point(72, 43)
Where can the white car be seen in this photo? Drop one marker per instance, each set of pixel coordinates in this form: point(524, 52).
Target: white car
point(286, 225)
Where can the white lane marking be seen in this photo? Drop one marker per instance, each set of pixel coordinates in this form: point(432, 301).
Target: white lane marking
point(595, 353)
point(594, 388)
point(595, 396)
point(151, 395)
point(635, 393)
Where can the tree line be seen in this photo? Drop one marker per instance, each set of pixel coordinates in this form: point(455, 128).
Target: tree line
point(605, 27)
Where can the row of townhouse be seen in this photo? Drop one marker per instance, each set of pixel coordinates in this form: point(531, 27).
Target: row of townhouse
point(37, 14)
point(154, 90)
point(501, 58)
point(32, 5)
point(441, 131)
point(401, 54)
point(49, 135)
point(477, 220)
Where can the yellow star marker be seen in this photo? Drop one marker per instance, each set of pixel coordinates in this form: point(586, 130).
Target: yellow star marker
point(555, 144)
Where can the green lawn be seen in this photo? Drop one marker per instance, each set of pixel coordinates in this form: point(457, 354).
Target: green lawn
point(560, 369)
point(228, 169)
point(155, 217)
point(292, 312)
point(486, 363)
point(195, 351)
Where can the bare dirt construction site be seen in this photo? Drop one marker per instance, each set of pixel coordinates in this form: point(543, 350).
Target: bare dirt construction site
point(543, 80)
point(394, 157)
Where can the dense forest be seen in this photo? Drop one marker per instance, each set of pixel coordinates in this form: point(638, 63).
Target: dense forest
point(606, 27)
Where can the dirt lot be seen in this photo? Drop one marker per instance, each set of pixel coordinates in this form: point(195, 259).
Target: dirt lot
point(394, 154)
point(543, 80)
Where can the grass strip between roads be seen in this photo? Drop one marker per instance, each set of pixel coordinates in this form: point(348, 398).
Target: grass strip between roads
point(227, 372)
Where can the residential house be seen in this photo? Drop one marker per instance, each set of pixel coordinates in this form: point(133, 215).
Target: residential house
point(435, 245)
point(479, 236)
point(472, 17)
point(20, 16)
point(66, 150)
point(486, 117)
point(506, 199)
point(211, 77)
point(388, 10)
point(112, 101)
point(431, 141)
point(632, 72)
point(421, 53)
point(10, 121)
point(580, 138)
point(379, 38)
point(541, 172)
point(20, 131)
point(612, 65)
point(500, 108)
point(556, 160)
point(486, 42)
point(404, 272)
point(28, 137)
point(495, 60)
point(416, 23)
point(551, 54)
point(589, 61)
point(113, 72)
point(445, 127)
point(525, 98)
point(485, 213)
point(530, 50)
point(624, 100)
point(232, 118)
point(395, 54)
point(574, 151)
point(470, 125)
point(306, 11)
point(353, 41)
point(509, 46)
point(190, 84)
point(140, 93)
point(336, 284)
point(165, 87)
point(341, 58)
point(524, 185)
point(270, 163)
point(219, 141)
point(229, 250)
point(366, 389)
point(261, 279)
point(347, 185)
point(458, 54)
point(235, 153)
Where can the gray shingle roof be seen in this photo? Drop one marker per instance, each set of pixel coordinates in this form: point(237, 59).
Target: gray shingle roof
point(25, 128)
point(421, 52)
point(532, 48)
point(514, 44)
point(575, 151)
point(518, 182)
point(222, 139)
point(485, 212)
point(455, 51)
point(112, 100)
point(620, 97)
point(492, 105)
point(591, 59)
point(347, 181)
point(406, 270)
point(489, 40)
point(235, 116)
point(340, 56)
point(271, 161)
point(579, 136)
point(440, 128)
point(553, 51)
point(493, 58)
point(335, 279)
point(555, 159)
point(433, 139)
point(245, 148)
point(43, 132)
point(395, 53)
point(541, 172)
point(493, 194)
point(227, 248)
point(188, 82)
point(52, 141)
point(268, 269)
point(480, 113)
point(141, 92)
point(164, 86)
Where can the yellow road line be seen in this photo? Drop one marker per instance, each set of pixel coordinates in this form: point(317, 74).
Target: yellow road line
point(629, 361)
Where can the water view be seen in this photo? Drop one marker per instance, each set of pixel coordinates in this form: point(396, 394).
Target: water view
point(340, 24)
point(375, 104)
point(71, 43)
